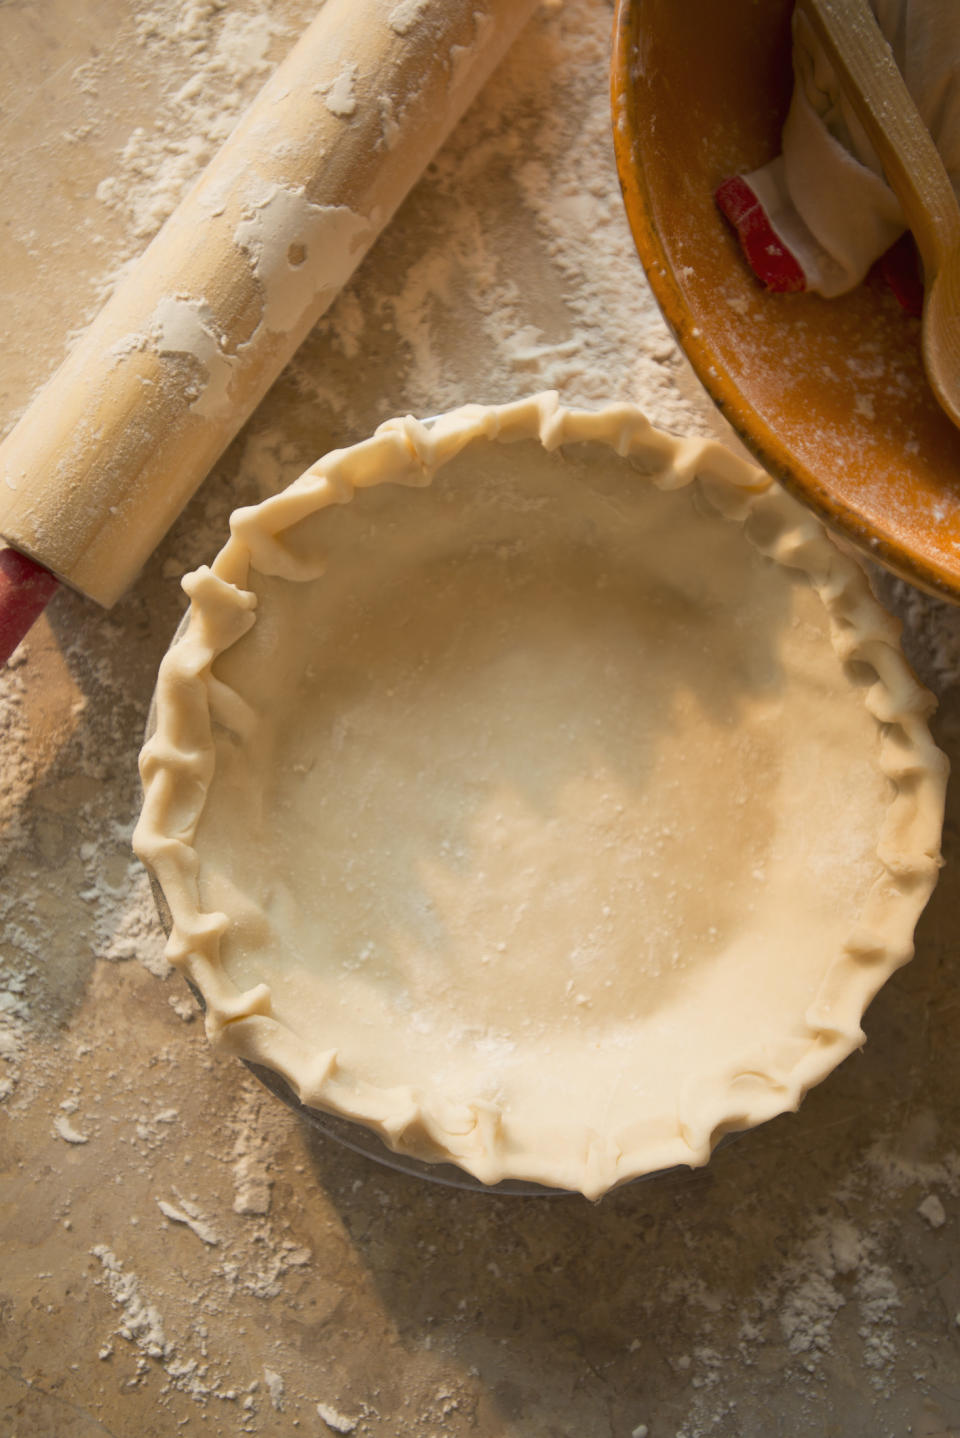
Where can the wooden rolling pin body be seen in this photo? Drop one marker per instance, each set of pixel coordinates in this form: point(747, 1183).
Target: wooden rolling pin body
point(114, 446)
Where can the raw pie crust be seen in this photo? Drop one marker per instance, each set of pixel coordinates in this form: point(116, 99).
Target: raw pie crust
point(552, 821)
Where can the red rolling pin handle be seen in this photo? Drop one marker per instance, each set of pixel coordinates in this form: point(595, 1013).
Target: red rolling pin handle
point(25, 589)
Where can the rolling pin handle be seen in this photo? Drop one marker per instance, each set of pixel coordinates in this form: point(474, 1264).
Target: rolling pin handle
point(25, 590)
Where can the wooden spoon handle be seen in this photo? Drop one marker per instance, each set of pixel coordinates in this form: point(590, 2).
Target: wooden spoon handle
point(858, 51)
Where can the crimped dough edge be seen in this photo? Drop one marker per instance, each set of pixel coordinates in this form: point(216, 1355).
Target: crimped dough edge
point(177, 768)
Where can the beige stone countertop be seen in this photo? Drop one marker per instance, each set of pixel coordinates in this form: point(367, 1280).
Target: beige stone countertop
point(182, 1253)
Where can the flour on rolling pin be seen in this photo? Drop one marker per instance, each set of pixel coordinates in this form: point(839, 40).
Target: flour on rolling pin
point(187, 327)
point(300, 254)
point(297, 249)
point(200, 327)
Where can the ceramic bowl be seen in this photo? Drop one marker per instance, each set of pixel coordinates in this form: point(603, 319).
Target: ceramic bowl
point(829, 395)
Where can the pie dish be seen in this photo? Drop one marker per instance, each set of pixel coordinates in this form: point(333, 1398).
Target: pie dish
point(550, 820)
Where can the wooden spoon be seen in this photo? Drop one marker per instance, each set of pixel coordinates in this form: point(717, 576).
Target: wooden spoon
point(858, 51)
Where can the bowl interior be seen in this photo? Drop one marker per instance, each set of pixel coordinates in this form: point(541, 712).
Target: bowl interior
point(830, 395)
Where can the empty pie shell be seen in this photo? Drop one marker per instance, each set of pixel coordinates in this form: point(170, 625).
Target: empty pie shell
point(546, 793)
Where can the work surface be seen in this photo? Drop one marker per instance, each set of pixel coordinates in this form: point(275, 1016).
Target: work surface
point(179, 1251)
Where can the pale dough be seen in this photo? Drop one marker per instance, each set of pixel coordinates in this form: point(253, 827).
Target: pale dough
point(544, 823)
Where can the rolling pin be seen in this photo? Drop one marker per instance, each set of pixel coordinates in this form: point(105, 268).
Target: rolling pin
point(109, 452)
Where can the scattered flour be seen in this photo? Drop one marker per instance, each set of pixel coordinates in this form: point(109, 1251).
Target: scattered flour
point(190, 1216)
point(807, 1314)
point(15, 986)
point(140, 1321)
point(336, 1421)
point(932, 1209)
point(275, 1388)
point(879, 1299)
point(141, 1325)
point(183, 1007)
point(125, 915)
point(65, 1130)
point(251, 1157)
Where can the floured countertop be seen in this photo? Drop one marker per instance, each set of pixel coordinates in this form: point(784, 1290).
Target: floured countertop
point(179, 1250)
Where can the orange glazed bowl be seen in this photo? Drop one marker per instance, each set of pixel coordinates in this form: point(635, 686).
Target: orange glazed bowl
point(829, 395)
